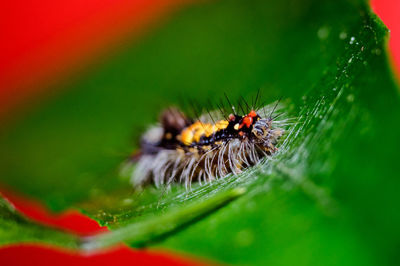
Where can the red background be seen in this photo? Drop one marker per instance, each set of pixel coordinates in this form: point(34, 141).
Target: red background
point(47, 41)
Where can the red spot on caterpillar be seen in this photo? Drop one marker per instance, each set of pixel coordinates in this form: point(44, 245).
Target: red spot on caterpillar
point(247, 121)
point(252, 114)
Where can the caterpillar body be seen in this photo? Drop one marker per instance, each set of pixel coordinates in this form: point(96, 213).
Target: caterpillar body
point(184, 150)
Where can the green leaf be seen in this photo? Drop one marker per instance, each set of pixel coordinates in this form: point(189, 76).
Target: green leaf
point(329, 196)
point(155, 226)
point(14, 229)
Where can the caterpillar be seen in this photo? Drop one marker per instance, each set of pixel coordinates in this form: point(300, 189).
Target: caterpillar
point(182, 150)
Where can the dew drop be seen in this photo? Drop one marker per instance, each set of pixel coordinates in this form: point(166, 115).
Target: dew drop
point(127, 201)
point(323, 33)
point(377, 51)
point(245, 237)
point(350, 98)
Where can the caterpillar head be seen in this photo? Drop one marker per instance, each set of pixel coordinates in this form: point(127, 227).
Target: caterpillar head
point(265, 135)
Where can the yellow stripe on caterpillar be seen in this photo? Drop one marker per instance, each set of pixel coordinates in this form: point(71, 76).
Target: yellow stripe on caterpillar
point(195, 131)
